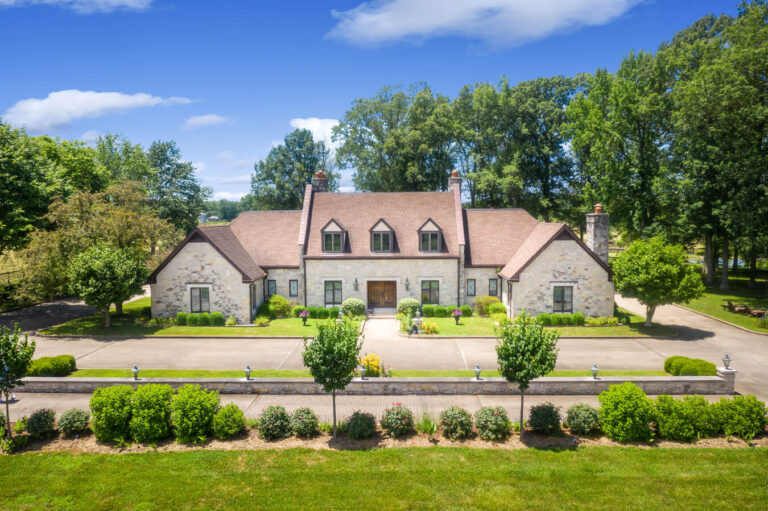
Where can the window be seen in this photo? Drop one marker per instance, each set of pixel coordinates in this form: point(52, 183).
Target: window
point(430, 292)
point(332, 293)
point(199, 299)
point(470, 287)
point(430, 241)
point(332, 242)
point(381, 242)
point(563, 299)
point(293, 288)
point(493, 287)
point(271, 288)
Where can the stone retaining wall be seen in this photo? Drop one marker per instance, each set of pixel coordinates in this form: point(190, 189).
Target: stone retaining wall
point(573, 386)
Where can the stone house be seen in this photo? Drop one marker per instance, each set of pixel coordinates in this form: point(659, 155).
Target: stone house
point(382, 247)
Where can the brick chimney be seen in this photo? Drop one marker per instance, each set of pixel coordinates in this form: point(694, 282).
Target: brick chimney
point(320, 182)
point(598, 231)
point(454, 179)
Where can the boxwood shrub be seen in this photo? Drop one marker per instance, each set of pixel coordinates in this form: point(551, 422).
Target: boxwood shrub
point(684, 366)
point(279, 307)
point(151, 413)
point(181, 318)
point(544, 318)
point(626, 413)
point(361, 425)
point(297, 310)
point(441, 311)
point(492, 423)
point(274, 424)
point(408, 306)
point(577, 318)
point(741, 416)
point(496, 308)
point(228, 422)
point(73, 422)
point(217, 319)
point(456, 422)
point(466, 311)
point(192, 411)
point(333, 312)
point(397, 421)
point(353, 307)
point(545, 419)
point(111, 413)
point(40, 424)
point(60, 365)
point(483, 302)
point(193, 319)
point(428, 310)
point(583, 419)
point(204, 319)
point(304, 422)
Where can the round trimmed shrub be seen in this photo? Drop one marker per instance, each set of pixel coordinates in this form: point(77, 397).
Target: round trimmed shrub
point(742, 416)
point(60, 365)
point(626, 413)
point(304, 422)
point(544, 318)
point(181, 318)
point(353, 307)
point(111, 413)
point(40, 424)
point(228, 422)
point(397, 421)
point(333, 312)
point(441, 311)
point(583, 419)
point(577, 318)
point(217, 319)
point(361, 425)
point(545, 419)
point(274, 424)
point(483, 302)
point(193, 319)
point(192, 411)
point(496, 308)
point(73, 422)
point(297, 310)
point(151, 413)
point(428, 310)
point(675, 419)
point(456, 422)
point(408, 306)
point(204, 319)
point(492, 423)
point(466, 311)
point(279, 306)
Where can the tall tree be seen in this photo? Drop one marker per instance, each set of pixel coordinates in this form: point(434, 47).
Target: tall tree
point(278, 181)
point(122, 160)
point(15, 355)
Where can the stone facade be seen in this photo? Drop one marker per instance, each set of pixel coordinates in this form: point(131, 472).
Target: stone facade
point(398, 270)
point(562, 263)
point(198, 264)
point(282, 278)
point(482, 277)
point(597, 234)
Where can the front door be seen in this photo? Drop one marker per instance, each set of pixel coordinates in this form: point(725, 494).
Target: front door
point(382, 294)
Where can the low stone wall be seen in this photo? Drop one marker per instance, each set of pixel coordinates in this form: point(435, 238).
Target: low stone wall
point(571, 386)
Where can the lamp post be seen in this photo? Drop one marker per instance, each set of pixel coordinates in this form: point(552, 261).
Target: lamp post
point(594, 371)
point(135, 372)
point(477, 372)
point(247, 372)
point(727, 361)
point(340, 319)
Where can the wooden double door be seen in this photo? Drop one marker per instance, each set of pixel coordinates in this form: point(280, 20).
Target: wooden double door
point(382, 294)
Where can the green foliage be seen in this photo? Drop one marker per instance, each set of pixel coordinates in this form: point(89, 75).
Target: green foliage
point(482, 304)
point(626, 413)
point(297, 310)
point(456, 422)
point(318, 312)
point(60, 365)
point(341, 427)
point(545, 419)
point(40, 424)
point(577, 318)
point(492, 423)
point(192, 412)
point(151, 413)
point(181, 318)
point(261, 320)
point(304, 422)
point(333, 312)
point(74, 422)
point(397, 421)
point(428, 310)
point(231, 321)
point(501, 319)
point(426, 425)
point(217, 319)
point(466, 311)
point(583, 419)
point(441, 311)
point(544, 318)
point(353, 307)
point(601, 321)
point(656, 274)
point(361, 425)
point(111, 413)
point(193, 319)
point(279, 307)
point(685, 420)
point(741, 416)
point(408, 306)
point(204, 319)
point(430, 327)
point(496, 308)
point(15, 444)
point(684, 366)
point(21, 425)
point(332, 355)
point(274, 424)
point(228, 422)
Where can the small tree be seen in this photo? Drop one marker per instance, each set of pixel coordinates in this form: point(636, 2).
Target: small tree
point(525, 351)
point(103, 275)
point(656, 274)
point(332, 357)
point(15, 356)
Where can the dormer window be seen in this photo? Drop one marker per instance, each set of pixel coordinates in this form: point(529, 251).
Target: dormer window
point(333, 238)
point(382, 237)
point(430, 237)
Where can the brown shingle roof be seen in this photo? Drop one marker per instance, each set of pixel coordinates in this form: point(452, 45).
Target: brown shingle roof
point(405, 212)
point(270, 237)
point(494, 235)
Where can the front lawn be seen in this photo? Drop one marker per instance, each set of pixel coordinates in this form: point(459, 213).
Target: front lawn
point(125, 325)
point(713, 300)
point(398, 478)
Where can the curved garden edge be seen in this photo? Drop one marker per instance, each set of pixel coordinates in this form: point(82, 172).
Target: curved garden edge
point(721, 320)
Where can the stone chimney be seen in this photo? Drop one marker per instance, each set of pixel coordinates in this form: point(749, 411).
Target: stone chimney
point(598, 231)
point(320, 182)
point(454, 179)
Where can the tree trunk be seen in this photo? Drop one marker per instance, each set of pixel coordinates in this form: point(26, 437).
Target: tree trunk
point(724, 273)
point(522, 411)
point(709, 260)
point(119, 308)
point(735, 259)
point(8, 416)
point(649, 311)
point(333, 395)
point(106, 318)
point(752, 270)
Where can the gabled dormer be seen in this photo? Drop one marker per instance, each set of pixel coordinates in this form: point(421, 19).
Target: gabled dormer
point(334, 238)
point(430, 237)
point(382, 238)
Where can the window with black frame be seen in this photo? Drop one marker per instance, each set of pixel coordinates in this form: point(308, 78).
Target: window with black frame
point(293, 288)
point(332, 293)
point(493, 287)
point(381, 241)
point(471, 287)
point(563, 299)
point(430, 242)
point(199, 299)
point(430, 292)
point(332, 242)
point(271, 288)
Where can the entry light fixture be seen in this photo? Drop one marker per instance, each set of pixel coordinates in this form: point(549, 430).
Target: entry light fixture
point(407, 284)
point(247, 371)
point(355, 284)
point(727, 361)
point(477, 372)
point(594, 371)
point(135, 372)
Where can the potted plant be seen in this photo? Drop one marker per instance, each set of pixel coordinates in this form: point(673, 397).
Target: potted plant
point(456, 315)
point(304, 315)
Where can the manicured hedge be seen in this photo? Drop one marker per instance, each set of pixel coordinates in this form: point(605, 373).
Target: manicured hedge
point(428, 310)
point(228, 422)
point(466, 311)
point(408, 306)
point(626, 413)
point(192, 411)
point(111, 413)
point(151, 413)
point(61, 365)
point(684, 366)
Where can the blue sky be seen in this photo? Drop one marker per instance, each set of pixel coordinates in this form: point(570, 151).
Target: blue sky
point(228, 79)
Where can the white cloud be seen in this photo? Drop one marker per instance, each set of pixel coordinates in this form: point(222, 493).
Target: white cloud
point(322, 129)
point(62, 107)
point(496, 22)
point(346, 189)
point(236, 180)
point(89, 136)
point(200, 166)
point(229, 195)
point(200, 121)
point(229, 161)
point(84, 6)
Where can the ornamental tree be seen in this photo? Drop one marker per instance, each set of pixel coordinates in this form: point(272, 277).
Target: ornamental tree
point(15, 356)
point(525, 351)
point(103, 275)
point(332, 357)
point(656, 274)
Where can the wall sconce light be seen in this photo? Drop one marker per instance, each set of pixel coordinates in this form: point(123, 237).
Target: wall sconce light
point(407, 284)
point(355, 284)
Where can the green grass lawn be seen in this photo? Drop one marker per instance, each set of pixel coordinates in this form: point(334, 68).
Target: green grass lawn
point(447, 327)
point(713, 300)
point(126, 325)
point(406, 478)
point(303, 373)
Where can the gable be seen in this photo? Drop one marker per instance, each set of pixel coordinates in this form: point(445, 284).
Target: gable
point(429, 226)
point(381, 226)
point(332, 226)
